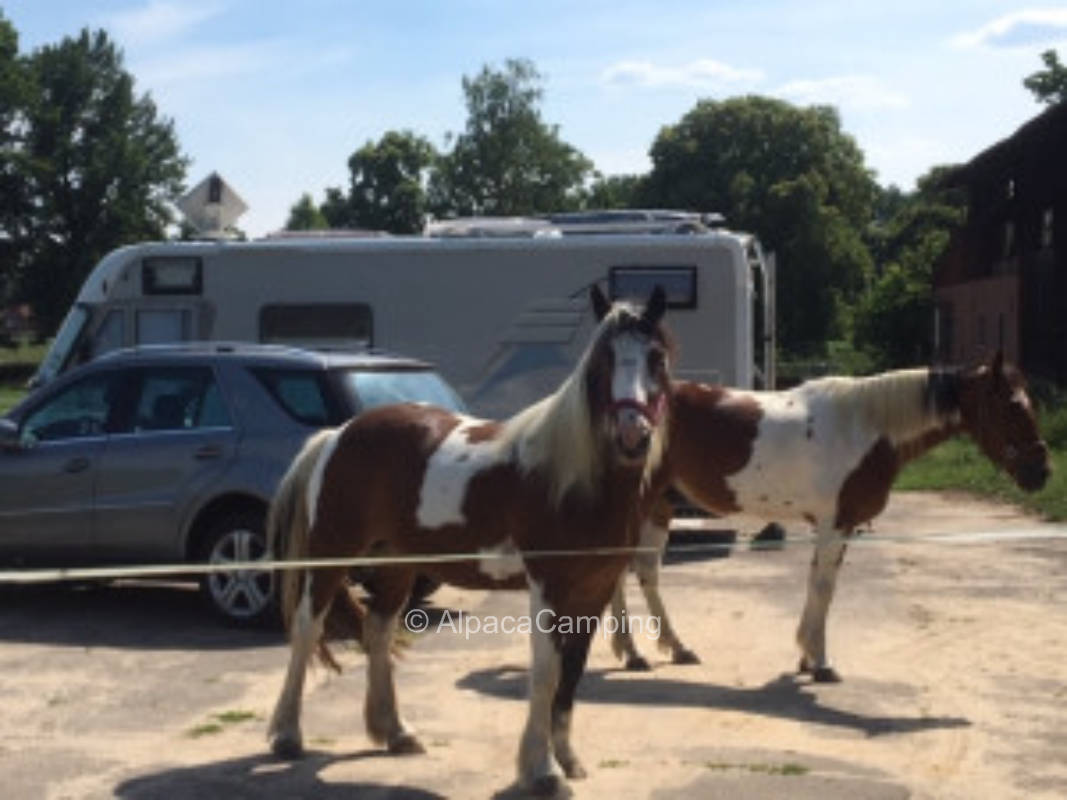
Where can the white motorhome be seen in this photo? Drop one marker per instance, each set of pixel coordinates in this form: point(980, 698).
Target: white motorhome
point(499, 307)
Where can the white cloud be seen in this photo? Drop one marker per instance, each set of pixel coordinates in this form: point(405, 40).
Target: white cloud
point(1020, 28)
point(857, 92)
point(702, 73)
point(159, 20)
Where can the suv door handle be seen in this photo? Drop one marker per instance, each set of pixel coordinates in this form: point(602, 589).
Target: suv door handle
point(207, 451)
point(79, 464)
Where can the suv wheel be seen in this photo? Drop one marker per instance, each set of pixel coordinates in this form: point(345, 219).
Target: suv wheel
point(242, 597)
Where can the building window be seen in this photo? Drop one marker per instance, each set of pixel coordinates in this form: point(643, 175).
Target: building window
point(1009, 240)
point(1048, 220)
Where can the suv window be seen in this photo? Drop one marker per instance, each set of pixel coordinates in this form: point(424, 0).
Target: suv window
point(371, 388)
point(179, 398)
point(80, 410)
point(302, 394)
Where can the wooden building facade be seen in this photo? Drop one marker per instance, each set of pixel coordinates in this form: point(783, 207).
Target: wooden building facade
point(1002, 282)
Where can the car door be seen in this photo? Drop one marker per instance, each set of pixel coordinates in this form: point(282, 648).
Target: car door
point(177, 441)
point(47, 481)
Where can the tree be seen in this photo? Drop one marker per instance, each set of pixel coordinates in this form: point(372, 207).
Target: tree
point(1050, 84)
point(102, 167)
point(14, 201)
point(305, 215)
point(893, 321)
point(388, 181)
point(508, 160)
point(614, 191)
point(790, 175)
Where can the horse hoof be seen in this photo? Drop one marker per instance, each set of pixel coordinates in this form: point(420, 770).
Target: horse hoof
point(406, 745)
point(287, 749)
point(825, 675)
point(804, 667)
point(549, 786)
point(574, 769)
point(638, 664)
point(685, 656)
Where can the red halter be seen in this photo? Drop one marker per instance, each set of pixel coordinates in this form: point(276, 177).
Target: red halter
point(652, 411)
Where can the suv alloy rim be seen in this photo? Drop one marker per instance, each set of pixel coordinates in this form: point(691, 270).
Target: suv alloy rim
point(241, 593)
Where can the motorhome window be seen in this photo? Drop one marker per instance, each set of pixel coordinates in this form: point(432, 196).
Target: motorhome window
point(160, 326)
point(318, 324)
point(111, 334)
point(59, 354)
point(172, 275)
point(302, 395)
point(637, 283)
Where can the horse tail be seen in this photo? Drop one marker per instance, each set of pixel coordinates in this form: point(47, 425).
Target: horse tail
point(288, 526)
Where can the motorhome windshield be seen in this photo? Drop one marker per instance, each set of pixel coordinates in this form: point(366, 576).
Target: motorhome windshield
point(59, 353)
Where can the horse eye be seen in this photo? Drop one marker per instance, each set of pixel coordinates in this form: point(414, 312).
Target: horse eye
point(655, 360)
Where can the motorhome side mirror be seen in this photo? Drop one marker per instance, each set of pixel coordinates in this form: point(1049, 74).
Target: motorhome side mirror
point(9, 435)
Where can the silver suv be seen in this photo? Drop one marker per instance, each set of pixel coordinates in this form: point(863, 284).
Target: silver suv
point(171, 453)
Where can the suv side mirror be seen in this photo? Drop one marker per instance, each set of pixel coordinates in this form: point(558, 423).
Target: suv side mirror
point(9, 435)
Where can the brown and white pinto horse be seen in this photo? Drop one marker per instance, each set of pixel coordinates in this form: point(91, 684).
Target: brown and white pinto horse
point(826, 453)
point(571, 472)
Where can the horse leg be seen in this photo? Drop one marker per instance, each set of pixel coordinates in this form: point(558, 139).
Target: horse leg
point(305, 634)
point(384, 723)
point(811, 633)
point(538, 768)
point(574, 652)
point(622, 643)
point(647, 565)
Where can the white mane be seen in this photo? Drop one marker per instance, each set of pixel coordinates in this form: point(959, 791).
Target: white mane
point(556, 434)
point(894, 403)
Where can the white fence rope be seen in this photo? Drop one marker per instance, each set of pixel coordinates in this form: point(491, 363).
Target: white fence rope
point(740, 545)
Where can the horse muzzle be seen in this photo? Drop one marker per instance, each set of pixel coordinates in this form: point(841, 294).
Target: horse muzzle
point(1032, 468)
point(634, 423)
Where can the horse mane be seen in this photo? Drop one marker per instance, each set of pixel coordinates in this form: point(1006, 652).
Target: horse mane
point(555, 435)
point(902, 404)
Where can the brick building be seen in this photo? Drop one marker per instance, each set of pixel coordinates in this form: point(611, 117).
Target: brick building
point(1002, 282)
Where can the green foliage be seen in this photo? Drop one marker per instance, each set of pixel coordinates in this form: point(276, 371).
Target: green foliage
point(508, 160)
point(614, 191)
point(388, 183)
point(893, 320)
point(305, 215)
point(791, 176)
point(100, 166)
point(1049, 85)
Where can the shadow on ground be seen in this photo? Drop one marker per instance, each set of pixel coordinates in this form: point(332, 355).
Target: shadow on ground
point(786, 697)
point(140, 615)
point(264, 776)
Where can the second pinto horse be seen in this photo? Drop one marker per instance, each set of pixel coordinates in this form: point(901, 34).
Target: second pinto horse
point(826, 453)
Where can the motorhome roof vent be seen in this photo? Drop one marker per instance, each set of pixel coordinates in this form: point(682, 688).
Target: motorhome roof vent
point(212, 207)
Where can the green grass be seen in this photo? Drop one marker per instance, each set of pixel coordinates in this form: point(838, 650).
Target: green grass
point(9, 395)
point(959, 465)
point(24, 353)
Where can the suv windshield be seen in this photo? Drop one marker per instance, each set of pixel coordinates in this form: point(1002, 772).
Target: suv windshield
point(368, 389)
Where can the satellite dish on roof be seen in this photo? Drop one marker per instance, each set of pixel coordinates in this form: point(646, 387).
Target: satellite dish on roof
point(212, 207)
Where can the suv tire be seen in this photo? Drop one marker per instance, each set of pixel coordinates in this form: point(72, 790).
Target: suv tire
point(244, 598)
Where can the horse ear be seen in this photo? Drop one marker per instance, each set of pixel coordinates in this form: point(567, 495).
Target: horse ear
point(657, 305)
point(601, 306)
point(997, 365)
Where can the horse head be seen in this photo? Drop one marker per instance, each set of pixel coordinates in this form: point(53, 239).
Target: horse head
point(628, 375)
point(1000, 416)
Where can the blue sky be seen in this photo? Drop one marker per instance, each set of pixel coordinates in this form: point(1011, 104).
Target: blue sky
point(276, 96)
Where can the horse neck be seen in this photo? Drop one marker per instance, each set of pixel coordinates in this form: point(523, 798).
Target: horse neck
point(555, 438)
point(915, 409)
